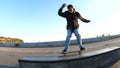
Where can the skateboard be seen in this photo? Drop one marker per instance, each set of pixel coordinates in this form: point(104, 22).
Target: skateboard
point(68, 52)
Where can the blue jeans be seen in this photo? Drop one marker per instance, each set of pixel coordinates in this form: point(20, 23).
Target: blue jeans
point(69, 34)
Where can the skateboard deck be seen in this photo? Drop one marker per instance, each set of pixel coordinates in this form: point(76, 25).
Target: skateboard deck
point(68, 52)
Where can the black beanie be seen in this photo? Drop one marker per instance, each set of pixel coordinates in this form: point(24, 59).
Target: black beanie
point(69, 6)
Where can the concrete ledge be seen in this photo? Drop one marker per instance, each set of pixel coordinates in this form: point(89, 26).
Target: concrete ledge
point(96, 59)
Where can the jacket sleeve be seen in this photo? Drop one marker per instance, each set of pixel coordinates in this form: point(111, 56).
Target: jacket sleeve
point(60, 13)
point(81, 18)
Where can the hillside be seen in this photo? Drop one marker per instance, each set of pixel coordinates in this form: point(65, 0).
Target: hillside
point(10, 40)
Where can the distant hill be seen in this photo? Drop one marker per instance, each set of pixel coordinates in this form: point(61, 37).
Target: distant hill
point(10, 40)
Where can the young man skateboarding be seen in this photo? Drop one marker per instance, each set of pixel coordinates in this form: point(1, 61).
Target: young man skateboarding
point(72, 17)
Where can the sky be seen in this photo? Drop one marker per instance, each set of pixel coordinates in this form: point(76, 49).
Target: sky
point(38, 20)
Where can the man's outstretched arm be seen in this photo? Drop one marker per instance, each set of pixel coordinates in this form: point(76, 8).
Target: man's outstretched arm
point(60, 10)
point(83, 19)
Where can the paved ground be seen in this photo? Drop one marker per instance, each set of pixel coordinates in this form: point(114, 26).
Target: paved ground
point(9, 56)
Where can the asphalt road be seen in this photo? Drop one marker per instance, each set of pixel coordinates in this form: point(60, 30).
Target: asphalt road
point(9, 56)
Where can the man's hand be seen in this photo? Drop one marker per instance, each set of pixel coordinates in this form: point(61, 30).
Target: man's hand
point(63, 5)
point(87, 21)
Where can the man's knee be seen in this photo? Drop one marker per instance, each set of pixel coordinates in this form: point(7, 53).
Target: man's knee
point(77, 35)
point(69, 36)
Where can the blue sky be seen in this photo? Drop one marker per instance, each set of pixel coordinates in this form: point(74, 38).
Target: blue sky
point(38, 20)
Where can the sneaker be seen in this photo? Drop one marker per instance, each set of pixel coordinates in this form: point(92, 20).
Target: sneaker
point(82, 48)
point(64, 51)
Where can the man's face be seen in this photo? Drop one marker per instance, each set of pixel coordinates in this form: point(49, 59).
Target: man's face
point(71, 9)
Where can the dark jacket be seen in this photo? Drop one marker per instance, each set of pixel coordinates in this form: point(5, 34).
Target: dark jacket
point(72, 18)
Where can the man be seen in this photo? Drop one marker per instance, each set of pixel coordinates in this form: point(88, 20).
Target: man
point(72, 25)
